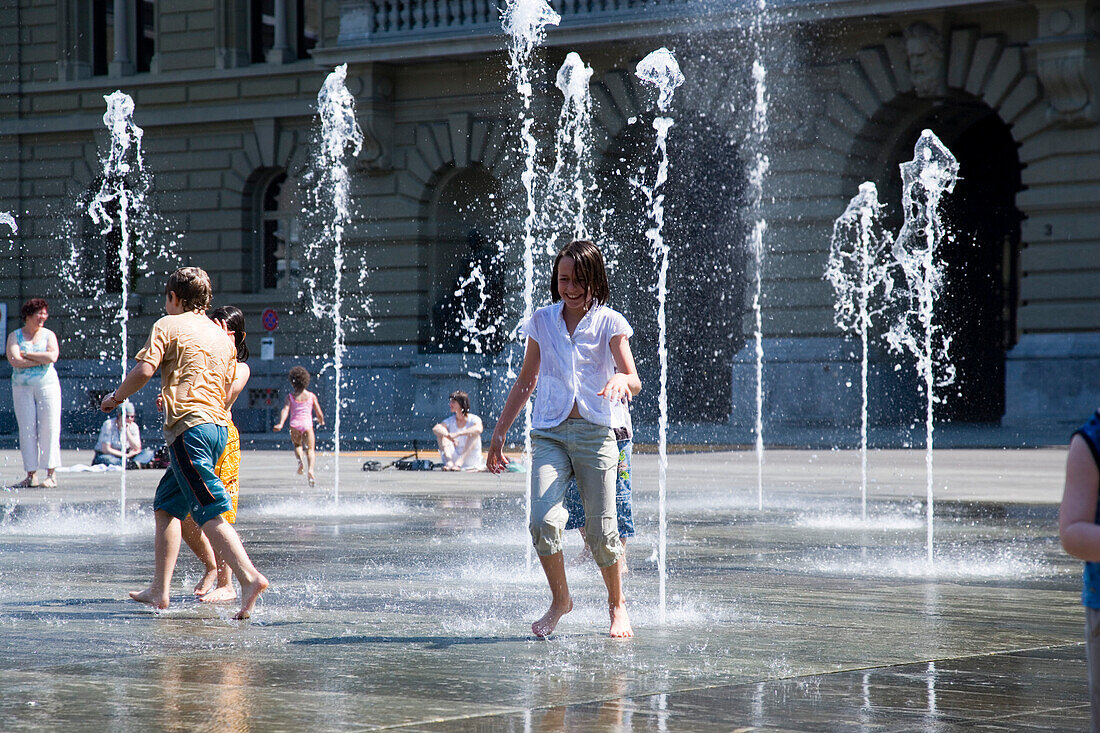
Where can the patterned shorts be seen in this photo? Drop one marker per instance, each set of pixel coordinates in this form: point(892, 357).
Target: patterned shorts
point(228, 469)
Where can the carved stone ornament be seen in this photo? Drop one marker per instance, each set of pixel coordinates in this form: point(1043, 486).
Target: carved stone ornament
point(924, 48)
point(1067, 60)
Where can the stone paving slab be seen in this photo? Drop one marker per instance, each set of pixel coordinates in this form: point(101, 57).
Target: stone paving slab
point(407, 605)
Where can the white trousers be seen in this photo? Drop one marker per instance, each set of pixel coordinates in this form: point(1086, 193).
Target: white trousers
point(38, 411)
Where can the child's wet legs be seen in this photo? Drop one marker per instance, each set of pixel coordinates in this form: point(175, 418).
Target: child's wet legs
point(311, 452)
point(560, 603)
point(224, 591)
point(616, 600)
point(166, 550)
point(227, 544)
point(198, 543)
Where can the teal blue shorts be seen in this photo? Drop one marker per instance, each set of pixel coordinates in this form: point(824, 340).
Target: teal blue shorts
point(190, 485)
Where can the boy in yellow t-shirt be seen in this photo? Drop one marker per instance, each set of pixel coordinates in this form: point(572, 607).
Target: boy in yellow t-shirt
point(197, 361)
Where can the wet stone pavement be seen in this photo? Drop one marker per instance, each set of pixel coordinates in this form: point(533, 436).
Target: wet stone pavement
point(408, 604)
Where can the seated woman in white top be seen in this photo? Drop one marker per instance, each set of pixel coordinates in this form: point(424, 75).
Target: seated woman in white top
point(459, 437)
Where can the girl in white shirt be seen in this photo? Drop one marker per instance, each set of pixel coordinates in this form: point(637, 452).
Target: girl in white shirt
point(578, 352)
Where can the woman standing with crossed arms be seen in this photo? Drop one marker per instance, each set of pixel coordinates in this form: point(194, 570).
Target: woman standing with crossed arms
point(32, 351)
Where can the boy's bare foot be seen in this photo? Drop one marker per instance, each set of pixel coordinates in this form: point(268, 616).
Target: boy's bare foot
point(249, 593)
point(203, 587)
point(221, 594)
point(150, 597)
point(620, 622)
point(549, 621)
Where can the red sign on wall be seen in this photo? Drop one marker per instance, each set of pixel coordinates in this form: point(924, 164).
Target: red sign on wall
point(270, 319)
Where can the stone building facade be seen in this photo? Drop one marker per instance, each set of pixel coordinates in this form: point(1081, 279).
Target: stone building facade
point(226, 93)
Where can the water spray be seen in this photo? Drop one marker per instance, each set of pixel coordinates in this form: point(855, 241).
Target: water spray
point(925, 179)
point(661, 69)
point(859, 272)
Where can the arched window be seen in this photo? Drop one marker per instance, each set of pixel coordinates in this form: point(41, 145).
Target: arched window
point(277, 235)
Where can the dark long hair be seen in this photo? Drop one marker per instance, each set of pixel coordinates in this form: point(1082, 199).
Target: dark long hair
point(234, 319)
point(588, 268)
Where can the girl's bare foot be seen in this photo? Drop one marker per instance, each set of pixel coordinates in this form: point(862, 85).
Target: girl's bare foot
point(312, 481)
point(301, 467)
point(221, 594)
point(203, 587)
point(620, 622)
point(249, 593)
point(151, 597)
point(549, 621)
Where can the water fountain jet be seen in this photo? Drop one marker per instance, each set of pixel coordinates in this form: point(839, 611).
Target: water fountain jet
point(116, 206)
point(340, 133)
point(525, 23)
point(661, 69)
point(859, 272)
point(925, 180)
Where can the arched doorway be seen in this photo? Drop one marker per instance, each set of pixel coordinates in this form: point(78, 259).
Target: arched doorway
point(464, 310)
point(704, 200)
point(979, 296)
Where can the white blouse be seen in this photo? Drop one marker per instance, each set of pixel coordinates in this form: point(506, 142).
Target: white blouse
point(574, 368)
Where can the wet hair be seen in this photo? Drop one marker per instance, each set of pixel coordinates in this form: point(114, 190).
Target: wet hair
point(234, 318)
point(299, 379)
point(192, 286)
point(31, 307)
point(463, 401)
point(588, 268)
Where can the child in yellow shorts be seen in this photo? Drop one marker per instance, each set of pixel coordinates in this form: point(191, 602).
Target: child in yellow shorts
point(228, 470)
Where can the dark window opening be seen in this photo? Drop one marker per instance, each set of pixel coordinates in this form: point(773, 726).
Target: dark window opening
point(145, 23)
point(309, 26)
point(278, 233)
point(103, 36)
point(262, 22)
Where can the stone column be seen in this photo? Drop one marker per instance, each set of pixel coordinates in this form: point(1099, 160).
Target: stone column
point(121, 65)
point(280, 53)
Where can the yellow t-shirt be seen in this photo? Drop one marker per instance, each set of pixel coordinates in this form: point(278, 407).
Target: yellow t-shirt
point(197, 362)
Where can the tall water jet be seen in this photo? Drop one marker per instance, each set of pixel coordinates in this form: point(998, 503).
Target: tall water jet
point(572, 176)
point(757, 136)
point(114, 209)
point(925, 179)
point(331, 194)
point(859, 271)
point(525, 22)
point(661, 70)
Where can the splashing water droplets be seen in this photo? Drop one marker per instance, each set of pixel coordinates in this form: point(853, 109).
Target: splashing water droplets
point(661, 68)
point(860, 275)
point(331, 198)
point(925, 180)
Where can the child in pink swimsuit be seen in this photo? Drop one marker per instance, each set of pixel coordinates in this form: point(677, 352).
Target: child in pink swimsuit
point(300, 407)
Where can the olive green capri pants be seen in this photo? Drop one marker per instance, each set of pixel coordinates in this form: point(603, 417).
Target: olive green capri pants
point(589, 452)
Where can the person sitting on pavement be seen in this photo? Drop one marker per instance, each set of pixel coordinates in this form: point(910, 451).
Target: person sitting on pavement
point(459, 437)
point(108, 449)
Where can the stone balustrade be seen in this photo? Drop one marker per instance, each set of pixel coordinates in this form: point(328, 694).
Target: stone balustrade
point(382, 21)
